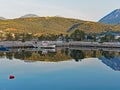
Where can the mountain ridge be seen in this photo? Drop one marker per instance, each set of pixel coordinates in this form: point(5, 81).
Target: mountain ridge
point(111, 18)
point(29, 16)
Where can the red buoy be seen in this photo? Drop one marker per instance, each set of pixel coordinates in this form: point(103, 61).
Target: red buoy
point(11, 77)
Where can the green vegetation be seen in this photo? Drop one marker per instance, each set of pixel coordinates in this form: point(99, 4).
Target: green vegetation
point(78, 35)
point(108, 38)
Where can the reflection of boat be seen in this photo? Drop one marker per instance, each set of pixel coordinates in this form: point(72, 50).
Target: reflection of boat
point(4, 48)
point(46, 51)
point(46, 45)
point(49, 50)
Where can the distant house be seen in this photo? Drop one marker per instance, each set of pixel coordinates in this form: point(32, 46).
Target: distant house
point(116, 35)
point(60, 39)
point(89, 37)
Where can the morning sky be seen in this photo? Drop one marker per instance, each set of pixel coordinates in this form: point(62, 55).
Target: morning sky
point(91, 10)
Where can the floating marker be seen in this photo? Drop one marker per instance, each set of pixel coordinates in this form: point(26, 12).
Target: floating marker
point(11, 77)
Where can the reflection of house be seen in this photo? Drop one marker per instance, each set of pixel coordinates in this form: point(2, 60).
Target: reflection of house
point(113, 63)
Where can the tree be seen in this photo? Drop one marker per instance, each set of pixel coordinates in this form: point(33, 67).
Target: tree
point(28, 36)
point(108, 38)
point(78, 35)
point(9, 36)
point(48, 37)
point(23, 38)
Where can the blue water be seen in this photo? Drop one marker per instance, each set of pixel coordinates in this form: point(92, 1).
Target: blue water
point(89, 74)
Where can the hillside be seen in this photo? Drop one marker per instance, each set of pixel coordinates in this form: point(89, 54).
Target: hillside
point(111, 18)
point(53, 25)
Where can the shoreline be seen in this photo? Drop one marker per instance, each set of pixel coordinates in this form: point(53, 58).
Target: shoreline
point(32, 44)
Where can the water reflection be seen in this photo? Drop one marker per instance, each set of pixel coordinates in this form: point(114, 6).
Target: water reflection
point(108, 55)
point(113, 63)
point(109, 58)
point(78, 55)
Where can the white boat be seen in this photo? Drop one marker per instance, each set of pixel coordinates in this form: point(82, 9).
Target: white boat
point(45, 45)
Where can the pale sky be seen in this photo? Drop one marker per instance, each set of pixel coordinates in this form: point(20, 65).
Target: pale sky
point(90, 10)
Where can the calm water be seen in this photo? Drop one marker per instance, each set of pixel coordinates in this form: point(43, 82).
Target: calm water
point(60, 70)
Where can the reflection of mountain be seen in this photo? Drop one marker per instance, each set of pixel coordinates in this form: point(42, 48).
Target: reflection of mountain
point(113, 63)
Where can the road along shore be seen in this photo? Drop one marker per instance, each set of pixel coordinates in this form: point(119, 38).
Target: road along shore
point(32, 44)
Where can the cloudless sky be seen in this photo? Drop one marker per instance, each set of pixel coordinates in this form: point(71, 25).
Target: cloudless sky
point(91, 10)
